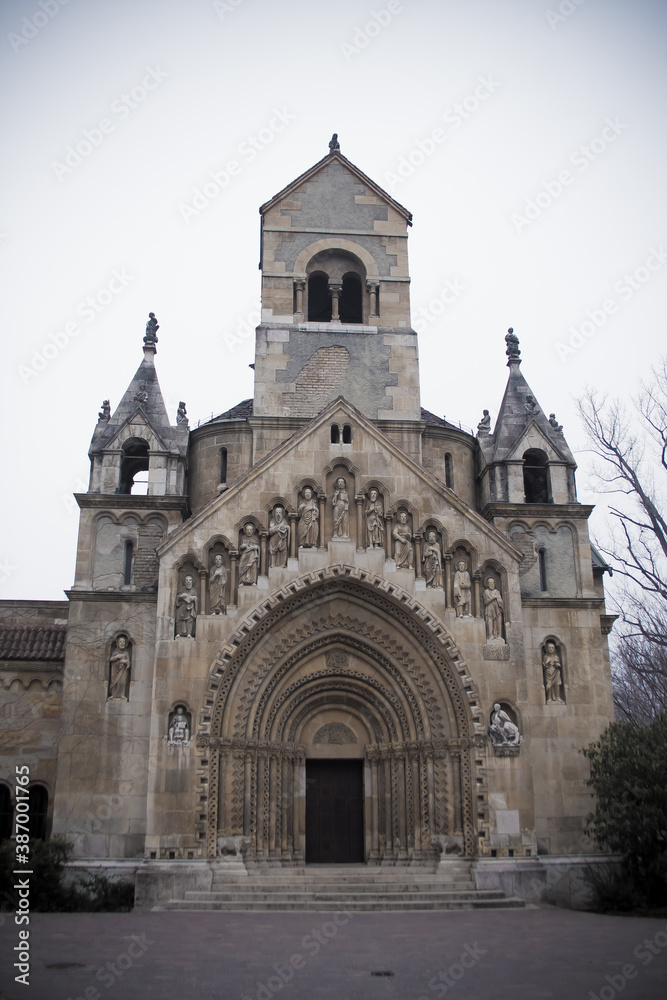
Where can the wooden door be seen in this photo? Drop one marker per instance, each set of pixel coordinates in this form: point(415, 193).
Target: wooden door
point(334, 811)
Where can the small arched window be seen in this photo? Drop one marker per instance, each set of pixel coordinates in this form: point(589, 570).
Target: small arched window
point(449, 471)
point(536, 476)
point(223, 465)
point(38, 801)
point(335, 434)
point(350, 299)
point(319, 298)
point(127, 562)
point(347, 434)
point(6, 813)
point(542, 561)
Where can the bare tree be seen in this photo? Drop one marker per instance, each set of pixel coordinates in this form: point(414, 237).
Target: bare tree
point(633, 450)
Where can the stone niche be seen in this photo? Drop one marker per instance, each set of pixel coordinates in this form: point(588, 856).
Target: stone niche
point(340, 521)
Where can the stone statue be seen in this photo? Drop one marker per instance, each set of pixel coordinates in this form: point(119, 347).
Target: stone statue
point(484, 426)
point(554, 423)
point(503, 731)
point(432, 560)
point(553, 677)
point(309, 518)
point(531, 406)
point(152, 327)
point(374, 515)
point(186, 609)
point(105, 412)
point(141, 395)
point(512, 341)
point(119, 668)
point(181, 415)
point(334, 144)
point(493, 609)
point(217, 582)
point(341, 510)
point(279, 531)
point(462, 589)
point(402, 536)
point(249, 561)
point(179, 730)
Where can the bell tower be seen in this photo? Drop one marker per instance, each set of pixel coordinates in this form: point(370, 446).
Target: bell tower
point(335, 298)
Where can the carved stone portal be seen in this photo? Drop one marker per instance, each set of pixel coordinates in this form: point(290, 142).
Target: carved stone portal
point(334, 732)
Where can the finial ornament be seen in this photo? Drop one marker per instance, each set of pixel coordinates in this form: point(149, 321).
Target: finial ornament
point(512, 352)
point(334, 145)
point(152, 327)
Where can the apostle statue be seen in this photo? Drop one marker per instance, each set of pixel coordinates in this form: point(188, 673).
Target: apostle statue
point(179, 730)
point(279, 530)
point(402, 536)
point(186, 609)
point(249, 561)
point(493, 609)
point(553, 676)
point(341, 510)
point(309, 517)
point(374, 515)
point(119, 668)
point(432, 560)
point(462, 589)
point(217, 582)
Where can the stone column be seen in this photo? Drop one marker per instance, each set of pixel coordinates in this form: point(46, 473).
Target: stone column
point(448, 580)
point(233, 579)
point(202, 591)
point(388, 554)
point(476, 610)
point(375, 822)
point(322, 499)
point(263, 540)
point(418, 556)
point(360, 523)
point(372, 287)
point(299, 287)
point(274, 819)
point(335, 288)
point(293, 518)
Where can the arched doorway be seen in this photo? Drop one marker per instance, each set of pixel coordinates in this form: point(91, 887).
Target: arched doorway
point(346, 685)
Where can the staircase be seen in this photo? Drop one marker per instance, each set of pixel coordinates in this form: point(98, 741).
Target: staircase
point(351, 888)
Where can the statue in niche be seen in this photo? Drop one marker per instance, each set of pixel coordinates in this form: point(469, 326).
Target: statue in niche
point(249, 561)
point(120, 662)
point(105, 412)
point(341, 510)
point(279, 531)
point(402, 536)
point(179, 728)
point(493, 609)
point(186, 609)
point(309, 520)
point(462, 589)
point(484, 426)
point(553, 676)
point(432, 560)
point(374, 515)
point(217, 582)
point(503, 731)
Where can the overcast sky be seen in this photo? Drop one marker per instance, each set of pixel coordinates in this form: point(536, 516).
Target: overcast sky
point(526, 137)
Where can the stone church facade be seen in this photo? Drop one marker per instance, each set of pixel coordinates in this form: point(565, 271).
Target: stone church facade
point(336, 627)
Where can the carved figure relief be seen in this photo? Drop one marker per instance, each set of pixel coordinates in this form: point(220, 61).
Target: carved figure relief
point(493, 610)
point(462, 589)
point(503, 731)
point(141, 395)
point(341, 510)
point(553, 674)
point(309, 514)
point(402, 536)
point(432, 560)
point(337, 658)
point(279, 532)
point(217, 584)
point(120, 663)
point(374, 516)
point(179, 728)
point(186, 609)
point(249, 561)
point(334, 732)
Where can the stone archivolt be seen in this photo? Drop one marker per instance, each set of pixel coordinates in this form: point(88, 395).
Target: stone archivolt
point(341, 640)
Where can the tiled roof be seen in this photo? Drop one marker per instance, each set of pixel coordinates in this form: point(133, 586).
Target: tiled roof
point(238, 412)
point(32, 642)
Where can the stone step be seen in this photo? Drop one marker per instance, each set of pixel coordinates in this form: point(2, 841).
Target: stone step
point(343, 897)
point(267, 885)
point(359, 906)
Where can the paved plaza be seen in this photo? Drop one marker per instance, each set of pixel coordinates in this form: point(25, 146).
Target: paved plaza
point(532, 954)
